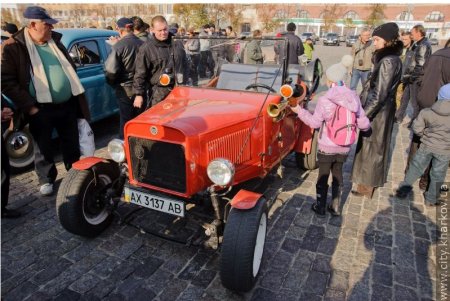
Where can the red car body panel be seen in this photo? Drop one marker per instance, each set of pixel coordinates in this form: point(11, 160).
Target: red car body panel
point(211, 123)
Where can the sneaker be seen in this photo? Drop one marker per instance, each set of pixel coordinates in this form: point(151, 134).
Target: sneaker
point(46, 189)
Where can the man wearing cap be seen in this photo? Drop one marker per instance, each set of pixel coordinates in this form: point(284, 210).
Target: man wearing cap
point(159, 55)
point(39, 76)
point(119, 70)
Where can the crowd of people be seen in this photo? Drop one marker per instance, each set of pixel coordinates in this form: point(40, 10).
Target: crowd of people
point(389, 66)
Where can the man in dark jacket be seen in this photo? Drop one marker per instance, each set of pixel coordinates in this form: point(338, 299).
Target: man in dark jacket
point(51, 100)
point(295, 45)
point(119, 69)
point(421, 52)
point(140, 28)
point(160, 55)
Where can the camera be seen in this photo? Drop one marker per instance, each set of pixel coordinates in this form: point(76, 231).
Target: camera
point(360, 62)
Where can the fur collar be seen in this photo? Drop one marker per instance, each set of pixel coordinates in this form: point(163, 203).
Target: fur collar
point(396, 49)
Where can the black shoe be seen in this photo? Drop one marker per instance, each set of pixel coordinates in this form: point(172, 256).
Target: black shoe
point(320, 211)
point(403, 191)
point(9, 213)
point(439, 203)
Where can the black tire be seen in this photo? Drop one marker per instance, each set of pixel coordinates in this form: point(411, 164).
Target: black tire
point(77, 205)
point(20, 149)
point(241, 256)
point(309, 161)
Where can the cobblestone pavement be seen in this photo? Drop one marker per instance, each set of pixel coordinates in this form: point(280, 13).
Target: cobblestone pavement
point(381, 249)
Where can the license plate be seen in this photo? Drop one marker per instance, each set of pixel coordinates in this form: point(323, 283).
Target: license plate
point(154, 202)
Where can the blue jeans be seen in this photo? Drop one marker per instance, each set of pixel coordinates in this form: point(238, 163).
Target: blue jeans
point(356, 76)
point(418, 165)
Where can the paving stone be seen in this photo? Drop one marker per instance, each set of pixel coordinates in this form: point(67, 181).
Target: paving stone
point(358, 293)
point(316, 283)
point(404, 293)
point(421, 246)
point(383, 255)
point(85, 283)
point(173, 290)
point(194, 266)
point(381, 292)
point(322, 264)
point(204, 278)
point(295, 278)
point(405, 275)
point(420, 231)
point(307, 296)
point(291, 245)
point(51, 271)
point(273, 279)
point(67, 295)
point(159, 280)
point(147, 269)
point(22, 291)
point(382, 274)
point(60, 282)
point(334, 295)
point(105, 267)
point(327, 246)
point(339, 280)
point(191, 293)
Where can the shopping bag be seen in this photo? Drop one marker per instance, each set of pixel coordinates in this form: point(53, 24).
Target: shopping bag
point(86, 135)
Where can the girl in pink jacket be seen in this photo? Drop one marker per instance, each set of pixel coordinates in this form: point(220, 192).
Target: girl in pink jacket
point(338, 101)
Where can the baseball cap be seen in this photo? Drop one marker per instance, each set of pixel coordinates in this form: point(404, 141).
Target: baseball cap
point(124, 22)
point(38, 13)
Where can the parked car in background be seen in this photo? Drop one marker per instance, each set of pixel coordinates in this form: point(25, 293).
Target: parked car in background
point(351, 40)
point(89, 50)
point(434, 41)
point(342, 38)
point(331, 39)
point(200, 148)
point(307, 35)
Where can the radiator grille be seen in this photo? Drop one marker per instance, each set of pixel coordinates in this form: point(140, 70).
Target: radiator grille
point(230, 147)
point(157, 163)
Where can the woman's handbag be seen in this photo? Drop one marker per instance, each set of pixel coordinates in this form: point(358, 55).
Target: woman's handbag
point(86, 135)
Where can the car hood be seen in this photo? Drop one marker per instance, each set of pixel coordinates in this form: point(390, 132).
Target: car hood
point(195, 110)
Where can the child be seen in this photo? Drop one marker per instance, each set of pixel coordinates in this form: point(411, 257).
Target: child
point(332, 156)
point(433, 125)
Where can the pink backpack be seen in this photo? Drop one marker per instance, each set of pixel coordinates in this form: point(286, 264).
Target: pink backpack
point(341, 129)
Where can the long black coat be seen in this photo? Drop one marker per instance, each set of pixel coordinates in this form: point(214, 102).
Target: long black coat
point(372, 151)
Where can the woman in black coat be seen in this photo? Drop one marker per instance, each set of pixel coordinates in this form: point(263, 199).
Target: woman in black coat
point(370, 167)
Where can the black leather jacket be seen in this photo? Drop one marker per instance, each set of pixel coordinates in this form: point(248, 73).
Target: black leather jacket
point(120, 64)
point(421, 51)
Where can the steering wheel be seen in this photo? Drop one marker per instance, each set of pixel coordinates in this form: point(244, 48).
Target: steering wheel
point(259, 85)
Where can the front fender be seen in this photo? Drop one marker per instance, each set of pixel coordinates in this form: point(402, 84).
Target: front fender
point(88, 162)
point(245, 199)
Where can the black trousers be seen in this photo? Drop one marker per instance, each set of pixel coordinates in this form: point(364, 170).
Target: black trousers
point(194, 64)
point(330, 163)
point(63, 118)
point(206, 63)
point(125, 98)
point(6, 174)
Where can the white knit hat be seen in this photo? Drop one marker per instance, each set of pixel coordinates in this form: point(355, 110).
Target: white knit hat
point(337, 72)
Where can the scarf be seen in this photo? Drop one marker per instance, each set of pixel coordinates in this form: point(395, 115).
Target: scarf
point(38, 73)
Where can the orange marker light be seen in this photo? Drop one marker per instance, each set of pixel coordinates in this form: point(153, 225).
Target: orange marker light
point(286, 91)
point(164, 80)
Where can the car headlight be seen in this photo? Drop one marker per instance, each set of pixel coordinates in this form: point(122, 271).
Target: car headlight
point(116, 150)
point(220, 171)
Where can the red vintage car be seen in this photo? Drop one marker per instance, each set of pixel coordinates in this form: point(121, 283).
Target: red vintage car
point(200, 143)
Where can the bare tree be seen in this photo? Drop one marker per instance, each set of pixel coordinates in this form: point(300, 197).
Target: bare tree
point(7, 16)
point(191, 15)
point(265, 13)
point(376, 15)
point(330, 14)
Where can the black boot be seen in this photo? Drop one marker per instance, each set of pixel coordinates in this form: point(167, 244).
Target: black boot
point(336, 193)
point(321, 200)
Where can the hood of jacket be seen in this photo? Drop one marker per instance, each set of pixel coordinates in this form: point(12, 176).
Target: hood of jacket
point(441, 107)
point(343, 97)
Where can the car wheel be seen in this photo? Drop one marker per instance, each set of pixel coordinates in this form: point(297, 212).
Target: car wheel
point(309, 161)
point(243, 245)
point(81, 204)
point(20, 149)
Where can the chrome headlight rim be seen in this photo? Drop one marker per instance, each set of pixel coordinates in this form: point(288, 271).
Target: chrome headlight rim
point(220, 165)
point(116, 150)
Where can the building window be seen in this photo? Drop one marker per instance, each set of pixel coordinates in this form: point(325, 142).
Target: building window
point(405, 16)
point(302, 14)
point(245, 27)
point(351, 15)
point(280, 14)
point(435, 16)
